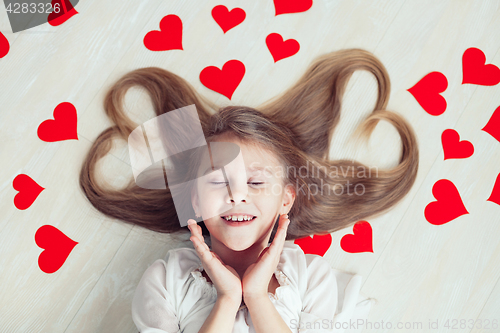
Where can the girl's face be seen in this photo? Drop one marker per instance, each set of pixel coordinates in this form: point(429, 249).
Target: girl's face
point(251, 185)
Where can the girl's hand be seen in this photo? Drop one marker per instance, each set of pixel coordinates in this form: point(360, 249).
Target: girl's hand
point(226, 280)
point(258, 275)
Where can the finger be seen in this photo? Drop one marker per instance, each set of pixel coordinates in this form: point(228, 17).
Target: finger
point(279, 238)
point(196, 233)
point(195, 229)
point(201, 248)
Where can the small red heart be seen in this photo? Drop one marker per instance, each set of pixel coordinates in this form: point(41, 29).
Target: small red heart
point(448, 206)
point(28, 191)
point(495, 193)
point(493, 125)
point(475, 71)
point(427, 93)
point(223, 81)
point(57, 247)
point(65, 12)
point(287, 6)
point(360, 240)
point(453, 147)
point(4, 45)
point(169, 37)
point(281, 49)
point(228, 19)
point(63, 127)
point(318, 244)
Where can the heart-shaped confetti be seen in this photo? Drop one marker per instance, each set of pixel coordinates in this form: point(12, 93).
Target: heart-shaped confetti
point(65, 13)
point(427, 93)
point(228, 19)
point(57, 247)
point(4, 45)
point(28, 191)
point(453, 147)
point(493, 125)
point(318, 244)
point(281, 49)
point(63, 127)
point(360, 240)
point(223, 81)
point(169, 37)
point(495, 193)
point(475, 71)
point(448, 206)
point(288, 7)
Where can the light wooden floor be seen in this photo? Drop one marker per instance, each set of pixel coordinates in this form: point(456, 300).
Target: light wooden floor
point(418, 272)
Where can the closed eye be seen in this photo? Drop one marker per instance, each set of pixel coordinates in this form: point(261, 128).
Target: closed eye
point(253, 183)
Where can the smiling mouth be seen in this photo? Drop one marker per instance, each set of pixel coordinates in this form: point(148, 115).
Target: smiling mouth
point(240, 218)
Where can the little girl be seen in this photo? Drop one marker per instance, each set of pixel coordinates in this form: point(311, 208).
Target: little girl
point(281, 186)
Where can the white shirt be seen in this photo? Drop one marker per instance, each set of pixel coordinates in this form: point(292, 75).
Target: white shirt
point(173, 296)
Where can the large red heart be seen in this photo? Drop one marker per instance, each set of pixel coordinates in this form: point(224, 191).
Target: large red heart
point(63, 127)
point(28, 191)
point(318, 244)
point(228, 19)
point(453, 147)
point(427, 93)
point(360, 240)
point(168, 38)
point(281, 49)
point(223, 81)
point(64, 12)
point(57, 247)
point(495, 193)
point(475, 71)
point(4, 45)
point(448, 206)
point(294, 6)
point(493, 125)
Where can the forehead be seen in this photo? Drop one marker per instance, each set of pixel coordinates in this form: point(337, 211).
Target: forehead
point(255, 157)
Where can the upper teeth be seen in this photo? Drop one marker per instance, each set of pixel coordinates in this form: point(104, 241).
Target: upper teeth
point(238, 217)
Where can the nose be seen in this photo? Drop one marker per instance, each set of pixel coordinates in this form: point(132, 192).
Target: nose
point(237, 193)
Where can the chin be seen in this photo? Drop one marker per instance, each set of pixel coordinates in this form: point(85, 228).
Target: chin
point(239, 246)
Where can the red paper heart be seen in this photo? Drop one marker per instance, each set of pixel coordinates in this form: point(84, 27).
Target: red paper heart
point(28, 191)
point(493, 125)
point(360, 240)
point(57, 247)
point(4, 45)
point(495, 193)
point(228, 19)
point(448, 206)
point(281, 49)
point(169, 37)
point(223, 81)
point(427, 91)
point(318, 244)
point(475, 71)
point(453, 147)
point(63, 127)
point(65, 12)
point(294, 6)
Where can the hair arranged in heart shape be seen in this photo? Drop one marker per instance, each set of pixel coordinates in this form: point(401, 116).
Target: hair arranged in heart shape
point(296, 126)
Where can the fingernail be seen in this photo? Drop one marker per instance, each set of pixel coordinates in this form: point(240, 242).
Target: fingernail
point(191, 222)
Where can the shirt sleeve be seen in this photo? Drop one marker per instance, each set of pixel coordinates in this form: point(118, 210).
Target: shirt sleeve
point(320, 299)
point(327, 289)
point(152, 308)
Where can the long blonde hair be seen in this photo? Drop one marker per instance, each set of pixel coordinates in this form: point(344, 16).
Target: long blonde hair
point(296, 126)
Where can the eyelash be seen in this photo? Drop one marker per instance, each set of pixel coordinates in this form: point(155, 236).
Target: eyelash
point(253, 183)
